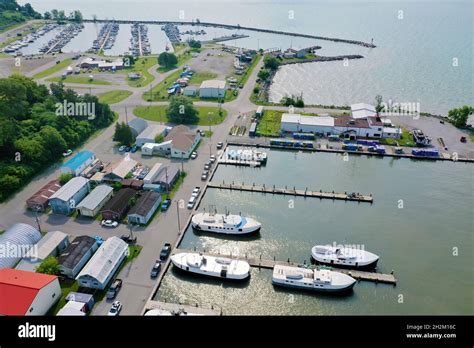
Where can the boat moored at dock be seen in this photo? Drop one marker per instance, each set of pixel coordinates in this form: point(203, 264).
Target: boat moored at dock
point(218, 267)
point(344, 257)
point(311, 279)
point(224, 223)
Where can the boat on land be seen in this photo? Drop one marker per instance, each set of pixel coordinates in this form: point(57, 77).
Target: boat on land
point(420, 138)
point(217, 267)
point(344, 257)
point(224, 223)
point(323, 280)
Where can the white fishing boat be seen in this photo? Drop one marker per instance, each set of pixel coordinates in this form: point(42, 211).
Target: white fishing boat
point(218, 267)
point(344, 257)
point(224, 223)
point(311, 279)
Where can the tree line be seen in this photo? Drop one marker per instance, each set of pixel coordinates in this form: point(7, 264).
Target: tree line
point(33, 135)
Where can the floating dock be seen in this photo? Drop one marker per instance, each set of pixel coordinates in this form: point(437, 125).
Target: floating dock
point(258, 262)
point(293, 192)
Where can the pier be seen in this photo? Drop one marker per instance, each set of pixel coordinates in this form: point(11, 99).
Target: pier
point(227, 38)
point(259, 262)
point(293, 192)
point(238, 27)
point(321, 59)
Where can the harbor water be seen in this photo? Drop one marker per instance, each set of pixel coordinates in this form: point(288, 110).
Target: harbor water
point(420, 225)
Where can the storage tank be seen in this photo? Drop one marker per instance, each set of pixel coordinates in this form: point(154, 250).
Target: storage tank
point(15, 242)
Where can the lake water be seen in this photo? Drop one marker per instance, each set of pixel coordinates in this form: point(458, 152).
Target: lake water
point(416, 241)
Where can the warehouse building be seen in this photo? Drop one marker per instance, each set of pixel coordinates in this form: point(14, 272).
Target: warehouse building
point(40, 200)
point(52, 244)
point(27, 293)
point(78, 163)
point(65, 200)
point(137, 125)
point(296, 123)
point(145, 207)
point(182, 141)
point(104, 264)
point(212, 89)
point(18, 239)
point(153, 173)
point(94, 201)
point(76, 255)
point(149, 134)
point(362, 110)
point(116, 208)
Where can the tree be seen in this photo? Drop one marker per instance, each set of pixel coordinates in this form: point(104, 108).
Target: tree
point(459, 116)
point(263, 74)
point(123, 134)
point(76, 16)
point(378, 104)
point(194, 44)
point(47, 15)
point(159, 138)
point(271, 62)
point(167, 60)
point(54, 14)
point(64, 178)
point(50, 265)
point(181, 110)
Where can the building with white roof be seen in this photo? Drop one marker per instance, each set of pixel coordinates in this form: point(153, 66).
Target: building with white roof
point(362, 110)
point(297, 123)
point(212, 89)
point(20, 237)
point(73, 308)
point(65, 200)
point(149, 134)
point(120, 170)
point(137, 125)
point(94, 201)
point(52, 244)
point(100, 269)
point(153, 173)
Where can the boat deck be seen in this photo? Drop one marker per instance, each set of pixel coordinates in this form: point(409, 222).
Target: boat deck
point(258, 262)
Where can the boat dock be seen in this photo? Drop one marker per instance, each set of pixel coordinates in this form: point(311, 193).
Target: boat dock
point(259, 262)
point(227, 38)
point(240, 163)
point(179, 309)
point(293, 192)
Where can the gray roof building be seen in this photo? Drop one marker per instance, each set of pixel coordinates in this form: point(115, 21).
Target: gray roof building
point(75, 256)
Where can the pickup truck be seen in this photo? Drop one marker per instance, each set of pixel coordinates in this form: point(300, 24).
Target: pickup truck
point(114, 289)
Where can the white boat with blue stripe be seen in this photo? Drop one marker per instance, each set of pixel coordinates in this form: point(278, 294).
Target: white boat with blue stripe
point(224, 223)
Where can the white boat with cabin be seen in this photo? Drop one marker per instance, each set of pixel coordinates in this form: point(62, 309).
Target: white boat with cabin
point(224, 223)
point(344, 257)
point(218, 267)
point(311, 279)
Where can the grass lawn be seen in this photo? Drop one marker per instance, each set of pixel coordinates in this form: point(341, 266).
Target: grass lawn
point(113, 97)
point(141, 66)
point(79, 79)
point(269, 125)
point(158, 113)
point(199, 77)
point(182, 59)
point(62, 65)
point(159, 92)
point(405, 140)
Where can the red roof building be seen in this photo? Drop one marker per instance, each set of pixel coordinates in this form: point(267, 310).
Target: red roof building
point(27, 293)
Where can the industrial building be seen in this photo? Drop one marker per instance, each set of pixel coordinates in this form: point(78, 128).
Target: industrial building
point(137, 125)
point(65, 200)
point(116, 208)
point(362, 110)
point(27, 293)
point(52, 244)
point(307, 124)
point(91, 63)
point(19, 238)
point(76, 255)
point(144, 208)
point(78, 163)
point(40, 200)
point(94, 201)
point(104, 264)
point(149, 134)
point(212, 89)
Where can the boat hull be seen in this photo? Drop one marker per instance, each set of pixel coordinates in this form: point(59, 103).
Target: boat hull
point(366, 267)
point(347, 288)
point(193, 271)
point(245, 231)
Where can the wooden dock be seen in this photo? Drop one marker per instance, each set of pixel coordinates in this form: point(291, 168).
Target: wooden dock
point(294, 192)
point(258, 262)
point(240, 163)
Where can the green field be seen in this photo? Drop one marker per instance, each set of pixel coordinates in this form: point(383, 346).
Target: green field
point(199, 77)
point(159, 91)
point(405, 140)
point(113, 97)
point(158, 113)
point(269, 125)
point(62, 65)
point(182, 59)
point(141, 66)
point(79, 79)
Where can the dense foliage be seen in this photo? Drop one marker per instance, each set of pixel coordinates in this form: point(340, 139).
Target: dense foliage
point(181, 110)
point(50, 265)
point(270, 62)
point(194, 44)
point(11, 13)
point(293, 101)
point(459, 117)
point(167, 59)
point(123, 134)
point(33, 134)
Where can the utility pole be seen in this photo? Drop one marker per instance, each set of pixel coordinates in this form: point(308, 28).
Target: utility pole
point(177, 212)
point(126, 115)
point(36, 218)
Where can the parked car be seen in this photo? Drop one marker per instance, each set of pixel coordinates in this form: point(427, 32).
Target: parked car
point(463, 139)
point(207, 166)
point(220, 145)
point(115, 309)
point(109, 223)
point(127, 148)
point(194, 155)
point(196, 192)
point(134, 149)
point(67, 153)
point(143, 173)
point(204, 175)
point(122, 148)
point(114, 289)
point(156, 269)
point(166, 204)
point(165, 251)
point(191, 202)
point(128, 239)
point(212, 158)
